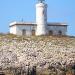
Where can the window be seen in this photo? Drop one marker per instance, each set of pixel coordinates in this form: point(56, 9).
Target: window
point(33, 32)
point(50, 32)
point(23, 32)
point(60, 32)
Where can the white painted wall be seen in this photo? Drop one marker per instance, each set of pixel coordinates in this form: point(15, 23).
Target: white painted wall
point(17, 29)
point(56, 29)
point(41, 18)
point(28, 29)
point(13, 30)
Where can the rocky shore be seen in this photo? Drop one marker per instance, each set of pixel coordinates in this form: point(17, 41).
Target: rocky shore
point(51, 53)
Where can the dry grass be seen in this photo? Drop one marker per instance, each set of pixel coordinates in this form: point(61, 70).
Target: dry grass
point(45, 50)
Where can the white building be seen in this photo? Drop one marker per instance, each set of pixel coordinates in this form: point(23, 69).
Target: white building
point(41, 27)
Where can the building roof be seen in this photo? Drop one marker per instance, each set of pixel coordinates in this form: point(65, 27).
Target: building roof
point(32, 24)
point(21, 23)
point(57, 24)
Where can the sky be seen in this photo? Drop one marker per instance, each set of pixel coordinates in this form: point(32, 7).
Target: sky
point(62, 11)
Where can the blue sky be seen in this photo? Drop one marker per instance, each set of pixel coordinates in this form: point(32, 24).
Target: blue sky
point(16, 10)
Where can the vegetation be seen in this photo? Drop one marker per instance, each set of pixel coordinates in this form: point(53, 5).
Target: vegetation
point(42, 55)
point(33, 71)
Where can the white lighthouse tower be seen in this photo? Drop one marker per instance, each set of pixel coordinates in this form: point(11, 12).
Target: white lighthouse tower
point(41, 18)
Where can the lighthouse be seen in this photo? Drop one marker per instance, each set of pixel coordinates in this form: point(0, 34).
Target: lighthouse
point(41, 18)
point(41, 26)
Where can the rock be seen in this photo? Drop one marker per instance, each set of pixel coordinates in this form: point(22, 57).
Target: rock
point(37, 51)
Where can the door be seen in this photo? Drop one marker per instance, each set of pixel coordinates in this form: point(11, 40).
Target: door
point(60, 32)
point(33, 32)
point(23, 32)
point(50, 32)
